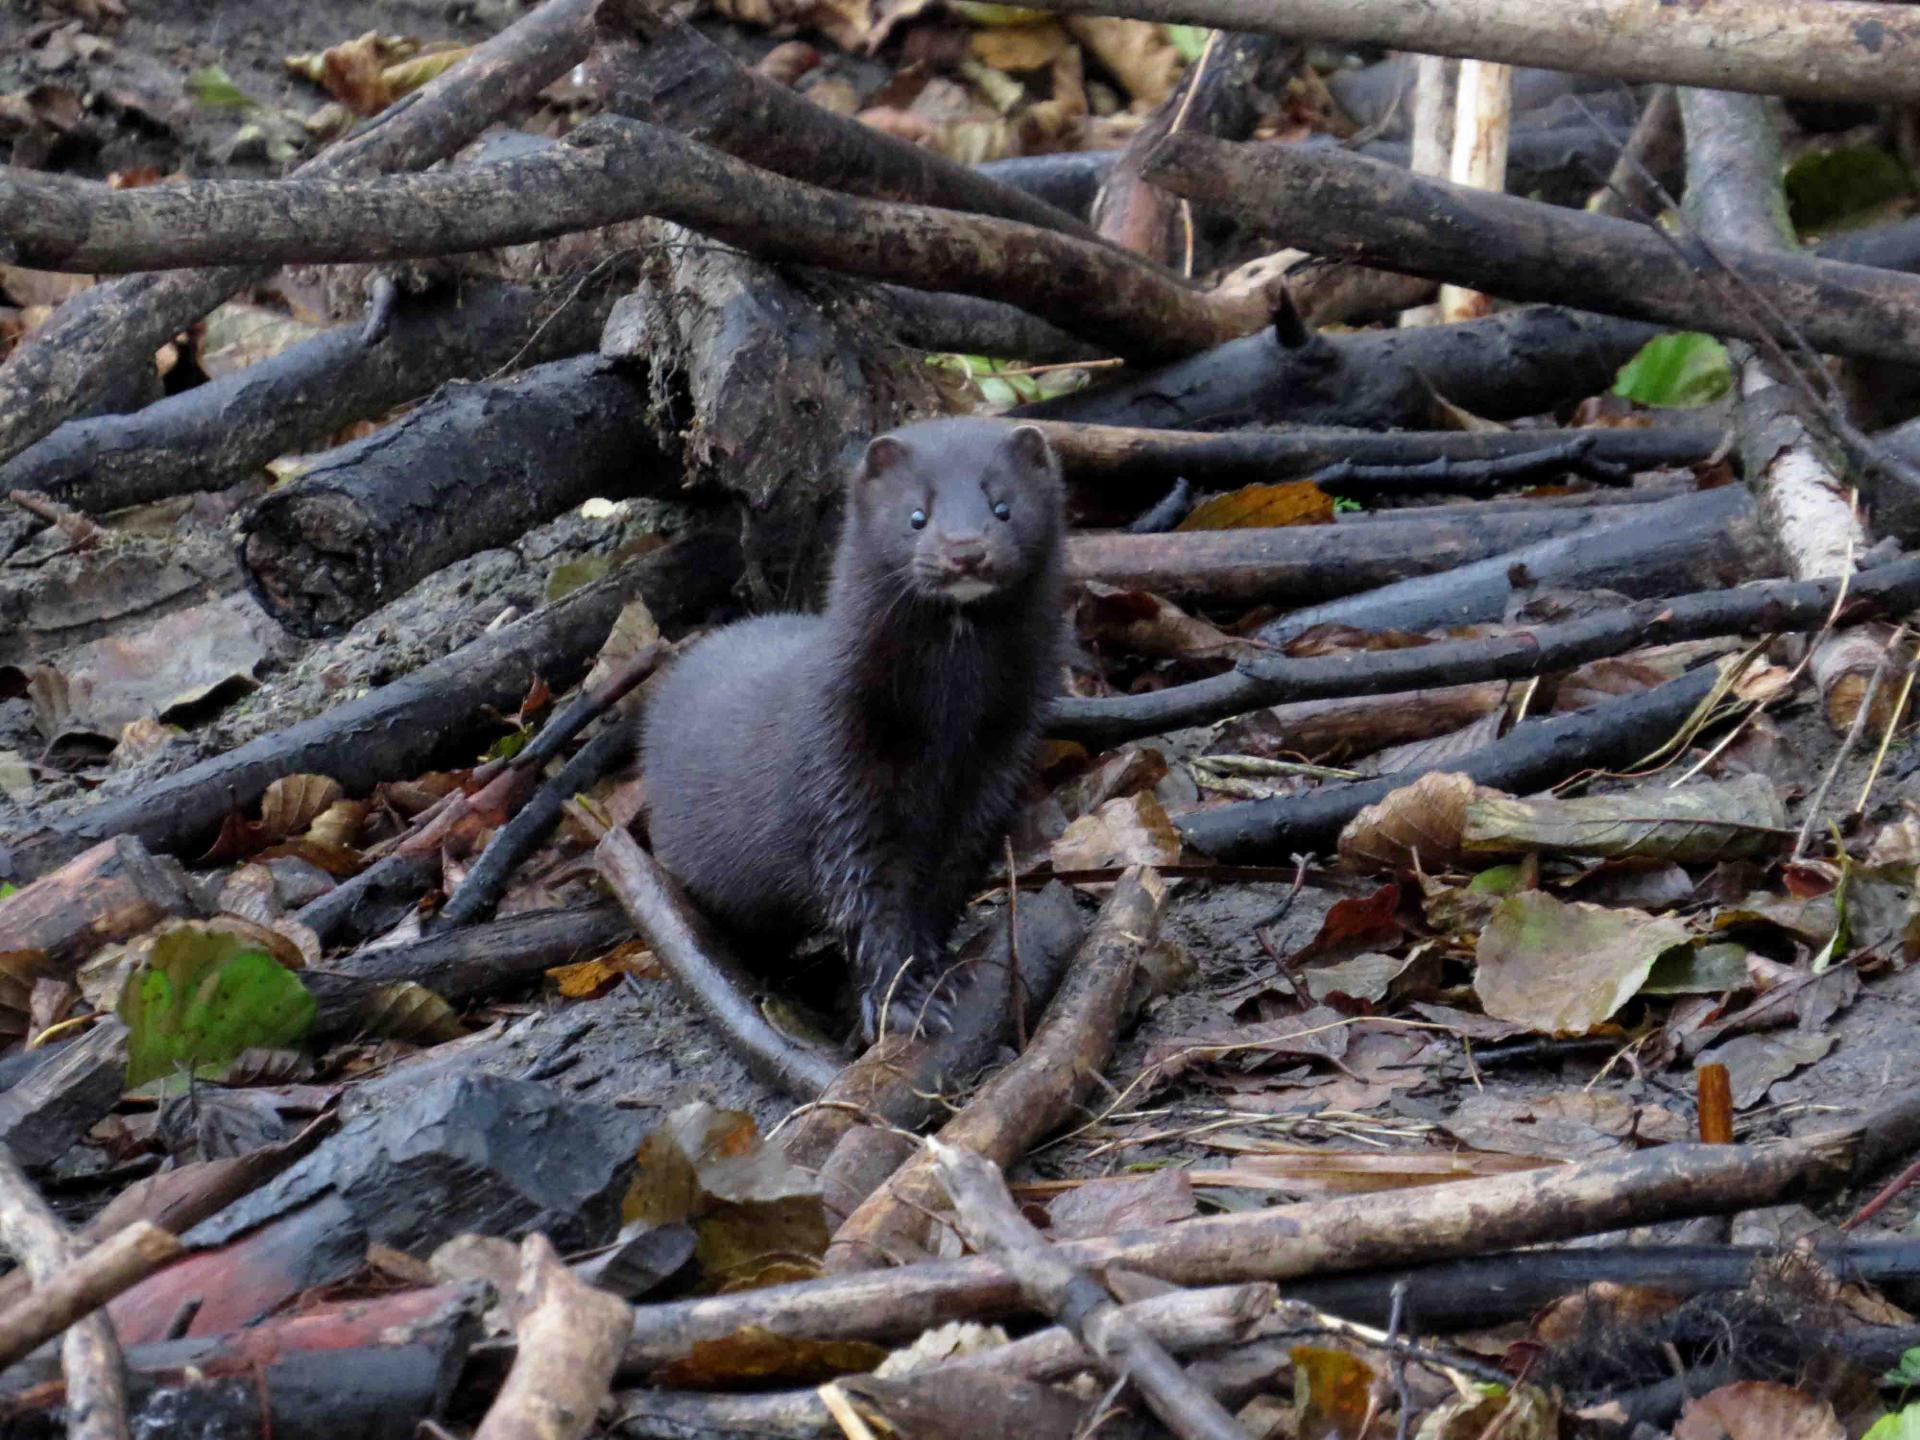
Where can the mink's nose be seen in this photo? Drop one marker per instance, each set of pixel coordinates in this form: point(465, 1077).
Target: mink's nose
point(965, 556)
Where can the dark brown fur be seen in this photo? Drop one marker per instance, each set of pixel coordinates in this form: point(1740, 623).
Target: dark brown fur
point(854, 770)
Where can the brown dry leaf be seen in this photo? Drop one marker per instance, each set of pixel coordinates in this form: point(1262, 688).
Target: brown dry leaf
point(634, 629)
point(1128, 1202)
point(1898, 843)
point(1293, 502)
point(407, 1010)
point(238, 335)
point(431, 62)
point(1602, 1304)
point(1755, 1061)
point(1333, 1388)
point(1139, 622)
point(1135, 52)
point(1130, 771)
point(1417, 827)
point(1019, 47)
point(1133, 830)
point(1572, 1125)
point(1354, 923)
point(1563, 969)
point(1758, 1410)
point(354, 71)
point(1368, 976)
point(586, 979)
point(1524, 1413)
point(1308, 1171)
point(339, 824)
point(788, 61)
point(1450, 748)
point(31, 289)
point(294, 802)
point(764, 1358)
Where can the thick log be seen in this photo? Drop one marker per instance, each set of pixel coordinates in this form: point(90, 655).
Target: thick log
point(1037, 1092)
point(1813, 49)
point(1294, 564)
point(1144, 460)
point(682, 80)
point(611, 169)
point(399, 728)
point(54, 372)
point(110, 893)
point(476, 466)
point(1517, 363)
point(64, 1096)
point(1537, 754)
point(1284, 1242)
point(226, 430)
point(1765, 608)
point(1329, 202)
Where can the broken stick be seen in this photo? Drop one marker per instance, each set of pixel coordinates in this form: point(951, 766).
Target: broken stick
point(122, 1260)
point(569, 1338)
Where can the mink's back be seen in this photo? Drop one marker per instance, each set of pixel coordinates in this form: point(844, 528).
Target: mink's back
point(724, 742)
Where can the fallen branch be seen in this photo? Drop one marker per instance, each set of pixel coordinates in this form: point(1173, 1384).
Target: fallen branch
point(1516, 363)
point(78, 1289)
point(1533, 756)
point(477, 466)
point(1816, 49)
point(1331, 202)
point(397, 729)
point(682, 80)
point(706, 971)
point(608, 170)
point(90, 1355)
point(1284, 1242)
point(226, 430)
point(103, 896)
point(53, 373)
point(949, 324)
point(1151, 459)
point(569, 1337)
point(1072, 1297)
point(1034, 1095)
point(1764, 608)
point(1654, 155)
point(1293, 564)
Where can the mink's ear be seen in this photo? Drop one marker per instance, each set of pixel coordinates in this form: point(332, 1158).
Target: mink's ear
point(1031, 449)
point(884, 454)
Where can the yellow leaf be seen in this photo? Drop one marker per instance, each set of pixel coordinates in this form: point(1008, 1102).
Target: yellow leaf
point(587, 978)
point(1019, 47)
point(1296, 502)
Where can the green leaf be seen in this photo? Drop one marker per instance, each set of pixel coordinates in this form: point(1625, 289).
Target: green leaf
point(204, 996)
point(1907, 1372)
point(1698, 968)
point(1188, 40)
point(1900, 1425)
point(1563, 969)
point(1343, 505)
point(1680, 371)
point(1828, 186)
point(214, 88)
point(6, 890)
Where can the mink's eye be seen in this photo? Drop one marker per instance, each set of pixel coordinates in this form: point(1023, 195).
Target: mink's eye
point(918, 519)
point(1002, 510)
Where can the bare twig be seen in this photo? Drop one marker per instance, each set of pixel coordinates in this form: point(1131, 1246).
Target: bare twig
point(118, 1263)
point(569, 1342)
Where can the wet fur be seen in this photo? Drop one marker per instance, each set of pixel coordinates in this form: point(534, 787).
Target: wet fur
point(854, 770)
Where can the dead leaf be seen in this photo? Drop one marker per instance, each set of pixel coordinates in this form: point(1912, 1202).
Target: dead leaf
point(1758, 1410)
point(1333, 1388)
point(1451, 747)
point(294, 802)
point(1293, 502)
point(1563, 969)
point(1019, 47)
point(755, 1354)
point(353, 72)
point(1368, 976)
point(586, 979)
point(1131, 1202)
point(1700, 822)
point(1898, 843)
point(1354, 923)
point(1135, 52)
point(1572, 1125)
point(788, 61)
point(1417, 827)
point(1138, 622)
point(407, 1010)
point(238, 335)
point(1133, 830)
point(1755, 1061)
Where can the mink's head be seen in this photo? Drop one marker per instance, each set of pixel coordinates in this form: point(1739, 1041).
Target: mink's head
point(956, 510)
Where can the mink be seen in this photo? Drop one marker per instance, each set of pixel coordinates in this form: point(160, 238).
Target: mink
point(853, 771)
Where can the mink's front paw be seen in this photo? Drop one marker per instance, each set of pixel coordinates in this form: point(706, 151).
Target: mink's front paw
point(912, 1004)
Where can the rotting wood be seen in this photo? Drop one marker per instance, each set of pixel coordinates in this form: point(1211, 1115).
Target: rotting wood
point(476, 466)
point(109, 893)
point(708, 974)
point(226, 430)
point(1329, 202)
point(1734, 195)
point(607, 170)
point(1072, 1297)
point(53, 373)
point(1816, 49)
point(1285, 1242)
point(89, 1355)
point(1764, 608)
point(398, 728)
point(1038, 1091)
point(1298, 563)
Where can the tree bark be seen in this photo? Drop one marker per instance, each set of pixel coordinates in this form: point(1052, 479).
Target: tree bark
point(476, 466)
point(54, 372)
point(1329, 202)
point(398, 729)
point(611, 169)
point(1817, 49)
point(111, 893)
point(226, 430)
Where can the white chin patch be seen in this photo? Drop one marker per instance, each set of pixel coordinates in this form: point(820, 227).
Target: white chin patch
point(965, 592)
